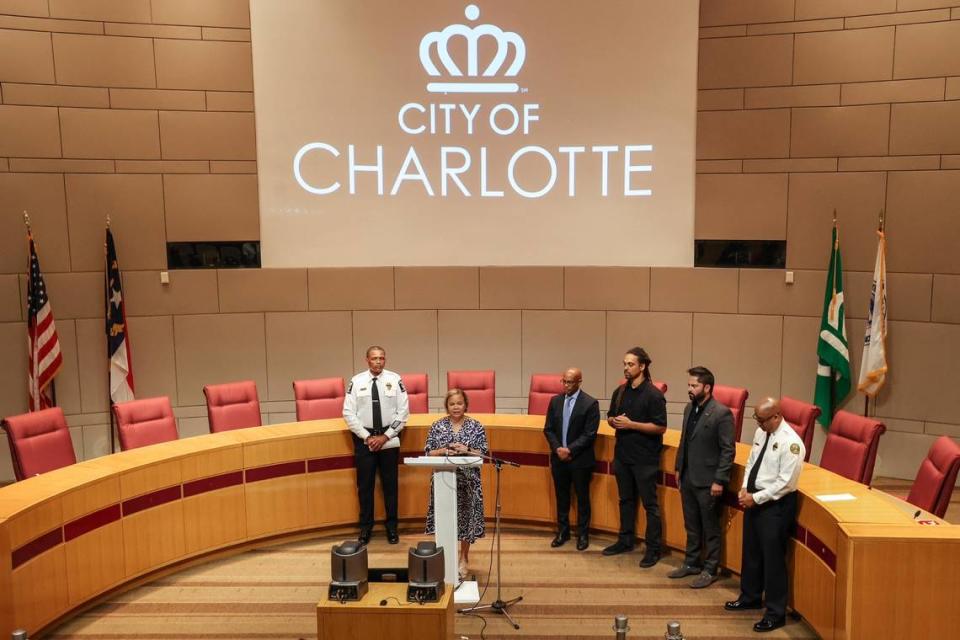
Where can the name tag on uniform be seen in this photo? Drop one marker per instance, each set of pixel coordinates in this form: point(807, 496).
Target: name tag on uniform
point(363, 391)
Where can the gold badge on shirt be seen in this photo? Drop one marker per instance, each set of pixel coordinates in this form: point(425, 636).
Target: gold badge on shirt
point(775, 446)
point(389, 386)
point(795, 449)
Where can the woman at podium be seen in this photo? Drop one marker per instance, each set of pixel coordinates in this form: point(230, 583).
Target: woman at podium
point(457, 434)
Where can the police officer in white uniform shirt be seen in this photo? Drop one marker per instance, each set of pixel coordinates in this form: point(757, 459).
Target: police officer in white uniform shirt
point(376, 409)
point(769, 501)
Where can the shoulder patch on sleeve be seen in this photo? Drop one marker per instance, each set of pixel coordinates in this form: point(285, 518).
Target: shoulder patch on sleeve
point(795, 449)
point(350, 387)
point(400, 383)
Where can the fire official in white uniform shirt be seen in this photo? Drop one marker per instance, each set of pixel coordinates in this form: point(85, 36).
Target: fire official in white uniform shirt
point(769, 501)
point(376, 409)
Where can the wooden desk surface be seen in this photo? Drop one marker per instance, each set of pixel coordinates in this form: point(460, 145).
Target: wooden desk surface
point(101, 524)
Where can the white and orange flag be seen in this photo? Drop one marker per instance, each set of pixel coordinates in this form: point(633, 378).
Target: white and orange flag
point(873, 366)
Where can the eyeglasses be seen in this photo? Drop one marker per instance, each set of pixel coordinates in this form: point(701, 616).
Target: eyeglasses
point(764, 420)
point(565, 381)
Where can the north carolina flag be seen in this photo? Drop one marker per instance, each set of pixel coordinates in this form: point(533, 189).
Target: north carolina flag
point(118, 342)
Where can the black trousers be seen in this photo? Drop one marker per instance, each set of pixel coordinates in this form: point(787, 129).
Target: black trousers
point(701, 519)
point(368, 463)
point(563, 477)
point(639, 481)
point(766, 531)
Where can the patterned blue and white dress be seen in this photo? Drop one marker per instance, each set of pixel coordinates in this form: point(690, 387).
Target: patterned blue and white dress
point(470, 524)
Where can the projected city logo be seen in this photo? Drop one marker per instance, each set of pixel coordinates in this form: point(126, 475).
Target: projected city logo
point(437, 43)
point(482, 59)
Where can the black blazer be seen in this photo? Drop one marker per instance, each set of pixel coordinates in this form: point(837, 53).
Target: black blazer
point(709, 449)
point(581, 433)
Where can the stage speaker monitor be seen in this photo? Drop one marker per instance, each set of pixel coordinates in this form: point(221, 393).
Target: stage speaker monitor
point(425, 568)
point(348, 571)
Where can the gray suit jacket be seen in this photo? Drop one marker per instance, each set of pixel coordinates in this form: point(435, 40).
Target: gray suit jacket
point(709, 449)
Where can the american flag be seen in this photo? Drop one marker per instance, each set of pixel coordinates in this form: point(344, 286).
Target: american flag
point(45, 358)
point(118, 343)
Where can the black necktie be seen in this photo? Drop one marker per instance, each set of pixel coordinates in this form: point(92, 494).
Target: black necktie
point(752, 478)
point(375, 399)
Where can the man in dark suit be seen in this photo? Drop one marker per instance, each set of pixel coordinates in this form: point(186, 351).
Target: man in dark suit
point(704, 462)
point(571, 424)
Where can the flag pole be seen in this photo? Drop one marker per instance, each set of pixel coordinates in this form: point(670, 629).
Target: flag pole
point(106, 311)
point(866, 399)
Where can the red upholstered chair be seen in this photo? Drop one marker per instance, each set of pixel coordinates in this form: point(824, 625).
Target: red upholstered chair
point(418, 390)
point(479, 385)
point(233, 405)
point(937, 476)
point(39, 442)
point(319, 399)
point(661, 385)
point(543, 386)
point(736, 399)
point(851, 446)
point(802, 416)
point(144, 422)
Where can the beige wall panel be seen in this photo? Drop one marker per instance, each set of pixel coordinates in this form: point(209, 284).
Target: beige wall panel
point(303, 346)
point(151, 346)
point(41, 196)
point(157, 99)
point(668, 339)
point(929, 127)
point(113, 10)
point(186, 64)
point(555, 340)
point(928, 50)
point(803, 26)
point(211, 207)
point(233, 166)
point(436, 287)
point(745, 62)
point(843, 56)
point(857, 198)
point(209, 135)
point(679, 289)
point(621, 288)
point(13, 383)
point(350, 288)
point(56, 165)
point(229, 101)
point(28, 57)
point(31, 132)
point(50, 24)
point(922, 215)
point(952, 90)
point(521, 287)
point(162, 166)
point(719, 99)
point(410, 338)
point(109, 133)
point(840, 131)
point(909, 17)
point(6, 466)
point(915, 5)
point(103, 61)
point(73, 295)
point(11, 305)
point(799, 362)
point(809, 9)
point(741, 350)
point(36, 94)
point(723, 32)
point(743, 134)
point(233, 35)
point(719, 12)
point(908, 295)
point(215, 13)
point(765, 292)
point(790, 165)
point(899, 454)
point(25, 7)
point(213, 349)
point(741, 206)
point(891, 163)
point(938, 429)
point(91, 352)
point(770, 97)
point(135, 206)
point(152, 31)
point(946, 299)
point(262, 289)
point(96, 439)
point(482, 340)
point(190, 427)
point(923, 90)
point(189, 291)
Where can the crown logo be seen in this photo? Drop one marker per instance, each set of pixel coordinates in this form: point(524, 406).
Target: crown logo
point(438, 42)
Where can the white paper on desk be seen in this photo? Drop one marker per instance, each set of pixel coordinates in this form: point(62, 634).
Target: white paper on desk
point(836, 497)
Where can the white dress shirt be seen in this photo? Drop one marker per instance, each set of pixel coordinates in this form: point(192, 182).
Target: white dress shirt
point(780, 468)
point(394, 405)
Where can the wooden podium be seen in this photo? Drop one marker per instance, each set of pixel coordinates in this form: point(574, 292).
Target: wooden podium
point(367, 619)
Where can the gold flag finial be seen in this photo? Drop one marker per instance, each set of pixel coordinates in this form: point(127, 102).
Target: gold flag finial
point(26, 219)
point(883, 221)
point(108, 220)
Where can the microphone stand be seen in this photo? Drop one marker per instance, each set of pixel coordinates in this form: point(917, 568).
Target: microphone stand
point(498, 605)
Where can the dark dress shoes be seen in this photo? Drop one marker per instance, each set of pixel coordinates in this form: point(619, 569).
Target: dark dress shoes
point(583, 542)
point(392, 536)
point(741, 605)
point(364, 537)
point(559, 540)
point(769, 624)
point(617, 547)
point(649, 559)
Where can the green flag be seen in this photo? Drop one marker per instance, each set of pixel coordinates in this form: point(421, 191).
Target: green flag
point(833, 366)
